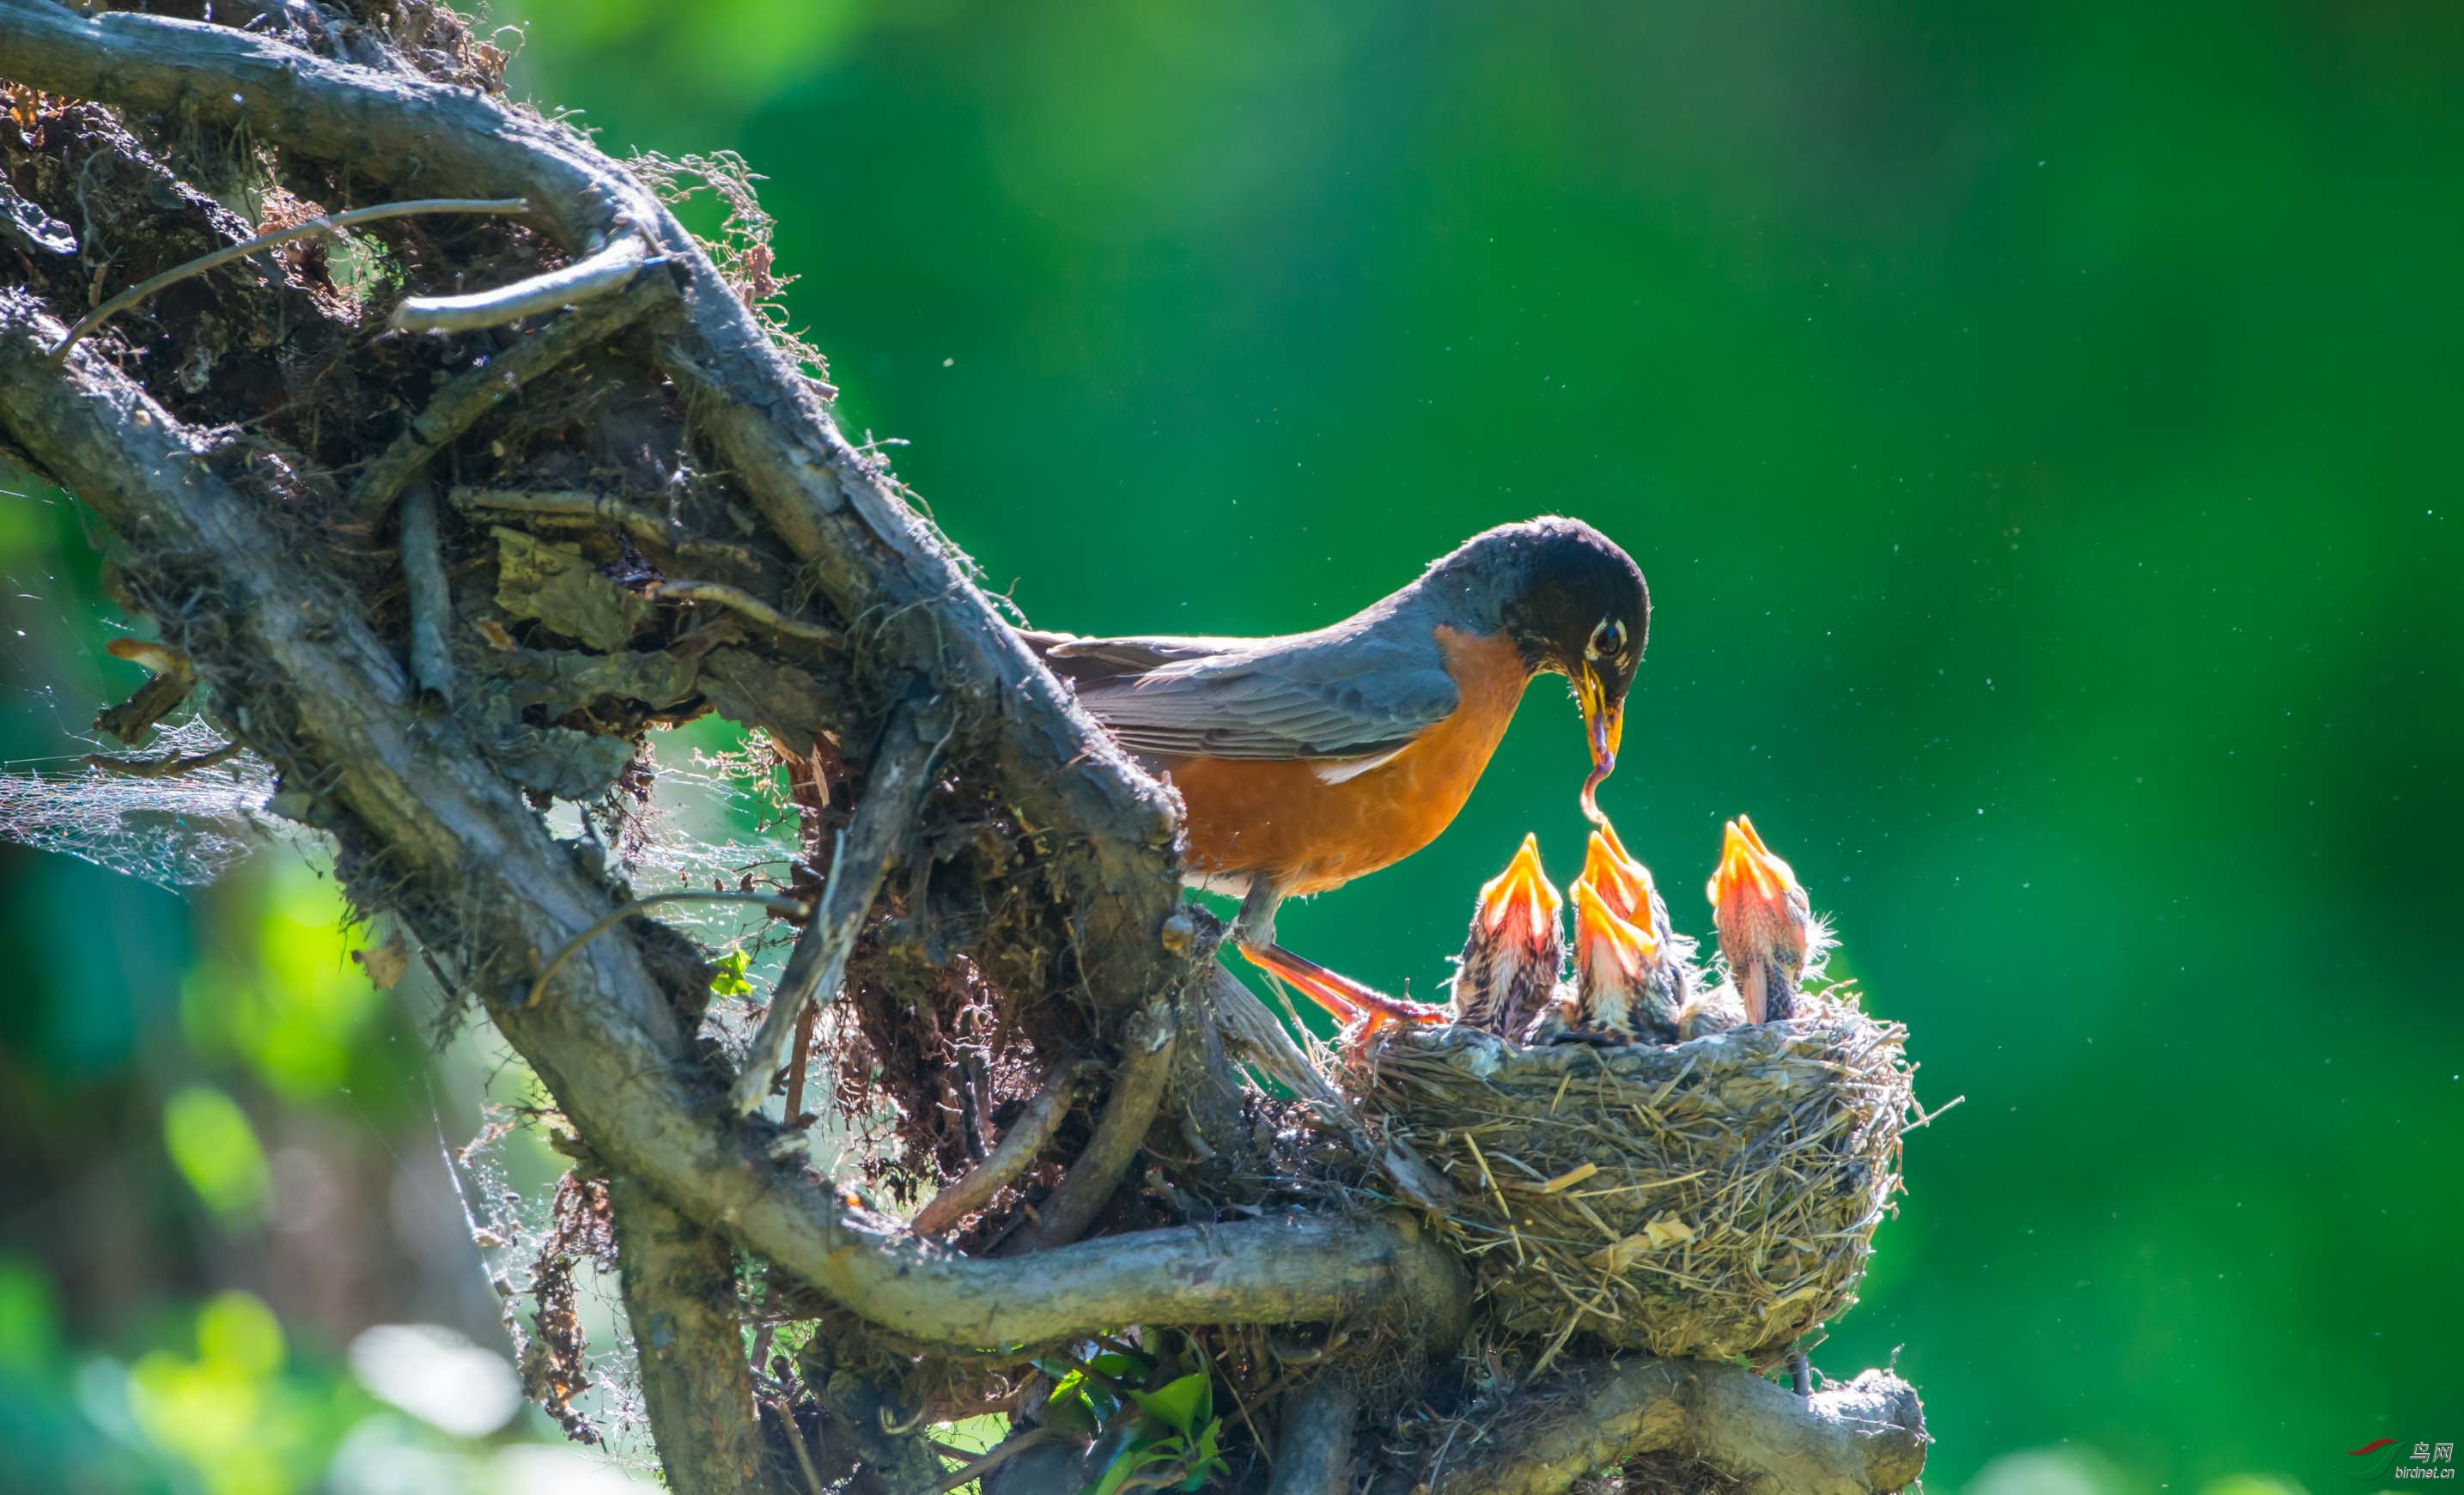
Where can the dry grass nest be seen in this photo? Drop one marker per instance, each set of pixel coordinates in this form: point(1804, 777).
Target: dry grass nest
point(1711, 1200)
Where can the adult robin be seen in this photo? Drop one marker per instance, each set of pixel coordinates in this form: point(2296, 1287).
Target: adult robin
point(1308, 760)
point(1511, 956)
point(1767, 932)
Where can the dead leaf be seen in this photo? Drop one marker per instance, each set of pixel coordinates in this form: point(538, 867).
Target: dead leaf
point(385, 963)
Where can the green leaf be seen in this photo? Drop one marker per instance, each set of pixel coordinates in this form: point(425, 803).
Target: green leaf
point(1119, 1367)
point(728, 975)
point(1071, 1415)
point(1130, 1463)
point(1183, 1403)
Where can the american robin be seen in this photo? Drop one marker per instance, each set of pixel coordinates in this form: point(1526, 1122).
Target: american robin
point(1767, 932)
point(1511, 958)
point(1627, 985)
point(1307, 760)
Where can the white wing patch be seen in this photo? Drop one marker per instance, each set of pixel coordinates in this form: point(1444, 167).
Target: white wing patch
point(1354, 768)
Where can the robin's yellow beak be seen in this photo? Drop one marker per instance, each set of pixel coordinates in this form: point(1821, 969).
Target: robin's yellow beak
point(1622, 883)
point(1747, 867)
point(1604, 723)
point(1519, 900)
point(1600, 931)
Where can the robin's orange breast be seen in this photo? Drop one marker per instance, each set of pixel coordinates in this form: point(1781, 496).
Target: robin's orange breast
point(1286, 821)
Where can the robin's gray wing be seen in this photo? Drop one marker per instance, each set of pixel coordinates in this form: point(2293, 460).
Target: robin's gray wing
point(1095, 660)
point(1351, 697)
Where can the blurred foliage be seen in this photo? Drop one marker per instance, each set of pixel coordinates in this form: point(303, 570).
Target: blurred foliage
point(2036, 422)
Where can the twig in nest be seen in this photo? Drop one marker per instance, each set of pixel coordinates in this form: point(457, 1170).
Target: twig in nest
point(753, 607)
point(164, 767)
point(610, 271)
point(893, 793)
point(789, 906)
point(431, 599)
point(469, 395)
point(994, 1457)
point(1026, 1138)
point(1137, 1087)
point(331, 223)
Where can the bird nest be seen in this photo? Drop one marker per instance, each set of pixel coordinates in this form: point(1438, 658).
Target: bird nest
point(1710, 1199)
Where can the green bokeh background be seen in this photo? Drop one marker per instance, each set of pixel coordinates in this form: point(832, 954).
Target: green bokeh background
point(2039, 424)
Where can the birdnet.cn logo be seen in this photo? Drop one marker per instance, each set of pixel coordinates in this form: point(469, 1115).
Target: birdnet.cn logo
point(2387, 1458)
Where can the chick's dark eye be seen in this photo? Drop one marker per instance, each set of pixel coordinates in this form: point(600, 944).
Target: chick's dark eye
point(1608, 639)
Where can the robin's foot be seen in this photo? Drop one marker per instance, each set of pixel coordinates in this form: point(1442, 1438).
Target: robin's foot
point(1362, 1010)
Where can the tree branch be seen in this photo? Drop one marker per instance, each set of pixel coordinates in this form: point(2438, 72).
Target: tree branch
point(585, 280)
point(1020, 1145)
point(1313, 1455)
point(1137, 1089)
point(429, 598)
point(607, 1045)
point(1858, 1440)
point(679, 1284)
point(869, 553)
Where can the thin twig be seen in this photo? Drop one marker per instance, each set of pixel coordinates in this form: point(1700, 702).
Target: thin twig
point(994, 1457)
point(885, 819)
point(798, 1066)
point(170, 767)
point(430, 596)
point(790, 907)
point(1026, 1139)
point(610, 270)
point(331, 223)
point(735, 600)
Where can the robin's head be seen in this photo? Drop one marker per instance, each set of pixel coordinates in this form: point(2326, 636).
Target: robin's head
point(1575, 605)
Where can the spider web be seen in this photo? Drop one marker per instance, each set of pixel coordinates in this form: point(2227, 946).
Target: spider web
point(175, 832)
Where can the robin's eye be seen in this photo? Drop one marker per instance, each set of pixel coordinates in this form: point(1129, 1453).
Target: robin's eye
point(1608, 638)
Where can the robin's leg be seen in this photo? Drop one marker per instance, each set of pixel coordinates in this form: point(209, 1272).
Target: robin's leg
point(1349, 1002)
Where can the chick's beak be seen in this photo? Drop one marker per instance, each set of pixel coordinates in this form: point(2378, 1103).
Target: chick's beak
point(1520, 899)
point(1599, 930)
point(1746, 866)
point(1604, 722)
point(1622, 883)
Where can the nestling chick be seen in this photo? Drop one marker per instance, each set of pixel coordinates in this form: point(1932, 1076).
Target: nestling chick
point(1626, 984)
point(1517, 942)
point(1713, 1011)
point(1768, 931)
point(1625, 885)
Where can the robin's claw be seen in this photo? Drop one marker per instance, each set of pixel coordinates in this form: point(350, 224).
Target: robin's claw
point(1362, 1010)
